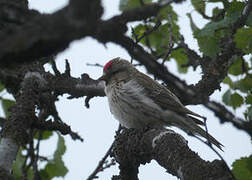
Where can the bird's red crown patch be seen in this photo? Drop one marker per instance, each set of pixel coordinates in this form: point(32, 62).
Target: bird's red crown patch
point(107, 66)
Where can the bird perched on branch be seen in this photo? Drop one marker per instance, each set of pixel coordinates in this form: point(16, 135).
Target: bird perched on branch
point(137, 101)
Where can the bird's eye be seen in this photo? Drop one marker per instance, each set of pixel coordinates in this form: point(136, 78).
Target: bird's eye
point(115, 72)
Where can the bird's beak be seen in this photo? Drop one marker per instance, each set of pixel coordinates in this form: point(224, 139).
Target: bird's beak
point(102, 78)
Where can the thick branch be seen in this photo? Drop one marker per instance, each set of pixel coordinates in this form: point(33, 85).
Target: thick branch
point(59, 83)
point(76, 87)
point(14, 133)
point(226, 116)
point(49, 34)
point(137, 14)
point(169, 149)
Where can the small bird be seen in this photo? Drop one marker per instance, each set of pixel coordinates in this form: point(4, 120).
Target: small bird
point(137, 101)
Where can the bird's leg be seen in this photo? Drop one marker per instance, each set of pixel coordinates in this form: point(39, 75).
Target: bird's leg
point(207, 135)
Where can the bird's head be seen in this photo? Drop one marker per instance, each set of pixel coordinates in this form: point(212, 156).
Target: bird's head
point(117, 69)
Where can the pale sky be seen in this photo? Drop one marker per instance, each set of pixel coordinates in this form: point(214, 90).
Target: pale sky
point(97, 126)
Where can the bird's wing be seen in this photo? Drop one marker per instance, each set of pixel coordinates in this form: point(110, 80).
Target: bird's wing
point(162, 96)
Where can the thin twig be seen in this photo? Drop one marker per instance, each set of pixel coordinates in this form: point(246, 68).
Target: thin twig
point(148, 31)
point(55, 69)
point(194, 59)
point(36, 158)
point(131, 60)
point(103, 161)
point(43, 158)
point(88, 98)
point(29, 155)
point(244, 16)
point(213, 18)
point(96, 65)
point(171, 43)
point(68, 69)
point(100, 167)
point(244, 67)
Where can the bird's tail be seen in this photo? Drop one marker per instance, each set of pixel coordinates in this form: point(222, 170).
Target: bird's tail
point(191, 127)
point(199, 131)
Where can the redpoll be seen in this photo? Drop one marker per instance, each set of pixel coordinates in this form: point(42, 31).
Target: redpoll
point(137, 101)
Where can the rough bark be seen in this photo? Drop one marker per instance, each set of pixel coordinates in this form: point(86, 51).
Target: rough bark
point(169, 149)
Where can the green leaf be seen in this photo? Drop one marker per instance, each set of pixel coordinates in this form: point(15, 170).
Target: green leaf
point(7, 103)
point(56, 167)
point(17, 165)
point(216, 11)
point(245, 84)
point(231, 17)
point(235, 7)
point(210, 28)
point(167, 13)
point(211, 48)
point(30, 174)
point(139, 31)
point(242, 168)
point(45, 135)
point(228, 81)
point(235, 100)
point(61, 148)
point(249, 20)
point(1, 87)
point(181, 58)
point(160, 38)
point(194, 28)
point(199, 5)
point(44, 174)
point(129, 4)
point(236, 67)
point(248, 99)
point(209, 45)
point(243, 39)
point(210, 35)
point(226, 98)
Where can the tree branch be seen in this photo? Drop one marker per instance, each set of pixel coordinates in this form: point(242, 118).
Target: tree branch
point(169, 149)
point(76, 87)
point(49, 34)
point(2, 121)
point(53, 33)
point(100, 167)
point(63, 128)
point(226, 116)
point(244, 16)
point(14, 132)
